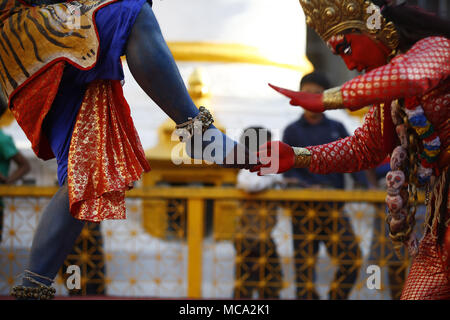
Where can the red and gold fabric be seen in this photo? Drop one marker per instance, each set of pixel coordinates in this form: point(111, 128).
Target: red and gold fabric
point(429, 277)
point(105, 156)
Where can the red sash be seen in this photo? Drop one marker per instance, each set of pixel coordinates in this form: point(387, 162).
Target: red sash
point(106, 154)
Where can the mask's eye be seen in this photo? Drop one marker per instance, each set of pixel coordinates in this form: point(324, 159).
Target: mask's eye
point(343, 47)
point(347, 49)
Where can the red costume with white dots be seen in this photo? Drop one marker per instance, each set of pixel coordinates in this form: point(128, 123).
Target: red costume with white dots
point(407, 88)
point(421, 73)
point(419, 76)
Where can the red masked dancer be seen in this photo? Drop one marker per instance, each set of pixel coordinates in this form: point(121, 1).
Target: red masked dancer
point(405, 53)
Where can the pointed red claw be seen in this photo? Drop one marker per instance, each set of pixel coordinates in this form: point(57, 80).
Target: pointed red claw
point(286, 92)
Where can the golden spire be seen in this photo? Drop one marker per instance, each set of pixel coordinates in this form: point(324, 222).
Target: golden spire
point(332, 17)
point(198, 88)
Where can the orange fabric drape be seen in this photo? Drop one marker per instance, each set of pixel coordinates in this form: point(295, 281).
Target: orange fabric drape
point(31, 104)
point(105, 156)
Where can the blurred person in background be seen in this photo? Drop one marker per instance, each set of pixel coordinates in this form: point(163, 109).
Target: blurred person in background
point(257, 265)
point(315, 129)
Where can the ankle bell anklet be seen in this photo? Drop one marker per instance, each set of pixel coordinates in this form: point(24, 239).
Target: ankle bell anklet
point(40, 292)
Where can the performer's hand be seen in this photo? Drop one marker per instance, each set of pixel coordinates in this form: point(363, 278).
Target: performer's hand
point(309, 101)
point(275, 157)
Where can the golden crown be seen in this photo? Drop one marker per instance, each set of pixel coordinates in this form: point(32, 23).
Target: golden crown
point(331, 17)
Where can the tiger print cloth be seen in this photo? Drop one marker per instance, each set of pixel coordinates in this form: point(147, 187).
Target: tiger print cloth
point(32, 37)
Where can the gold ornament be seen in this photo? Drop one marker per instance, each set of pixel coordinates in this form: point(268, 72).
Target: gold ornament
point(302, 157)
point(332, 17)
point(333, 99)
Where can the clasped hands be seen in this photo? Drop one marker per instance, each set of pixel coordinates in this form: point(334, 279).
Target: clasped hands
point(276, 156)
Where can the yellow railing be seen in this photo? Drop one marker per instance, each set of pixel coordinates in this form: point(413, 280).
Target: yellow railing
point(220, 193)
point(195, 207)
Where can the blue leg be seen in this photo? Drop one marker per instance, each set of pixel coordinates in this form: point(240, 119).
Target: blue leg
point(54, 238)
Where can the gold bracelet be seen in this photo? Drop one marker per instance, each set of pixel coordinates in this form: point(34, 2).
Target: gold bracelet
point(302, 157)
point(332, 99)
